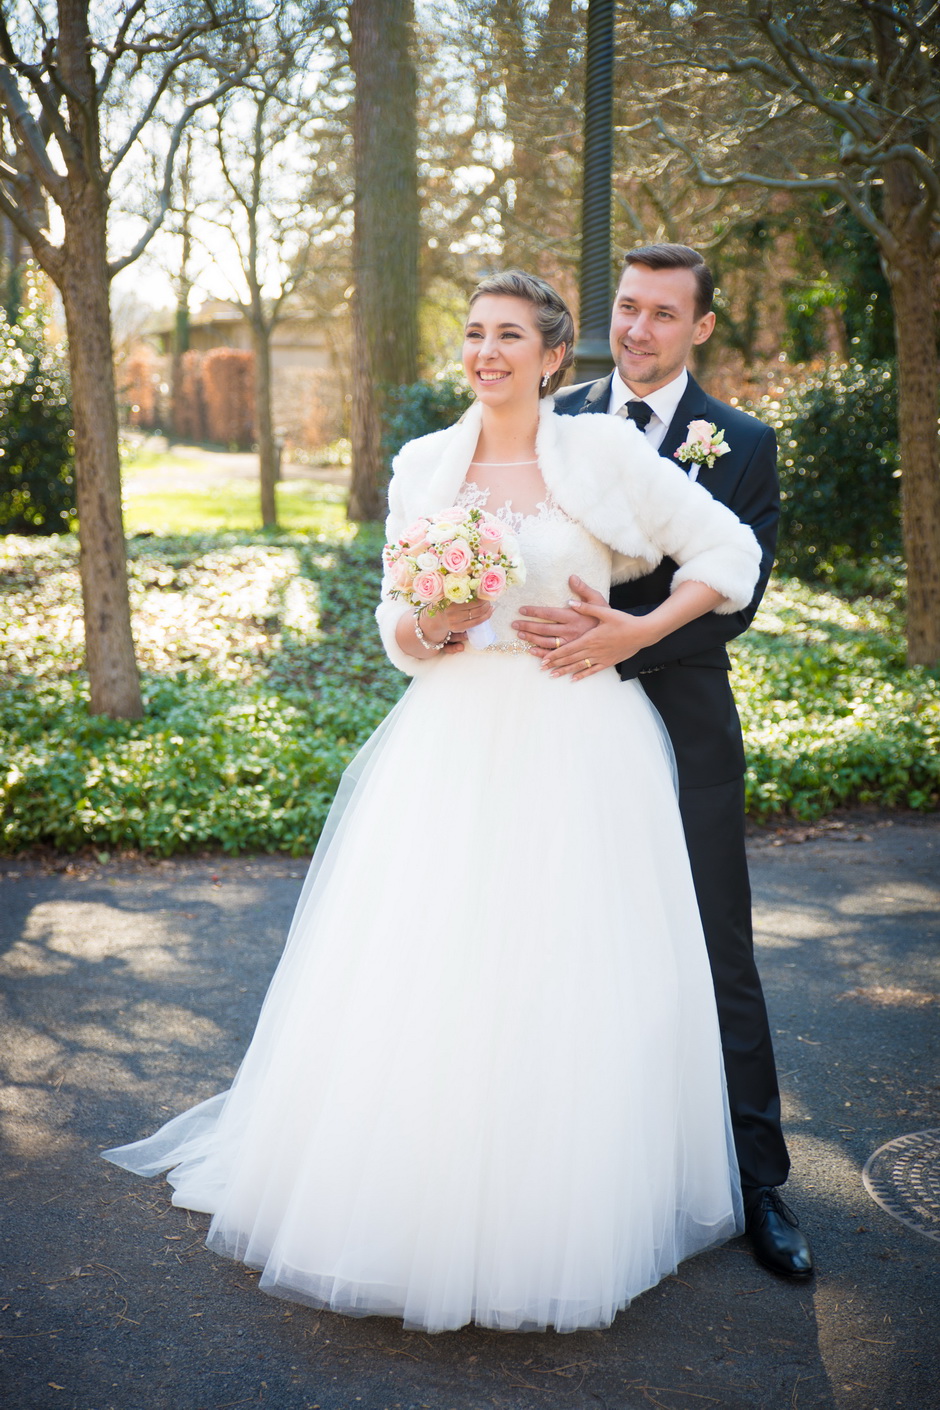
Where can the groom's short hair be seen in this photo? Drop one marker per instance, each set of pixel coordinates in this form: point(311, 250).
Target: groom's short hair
point(677, 257)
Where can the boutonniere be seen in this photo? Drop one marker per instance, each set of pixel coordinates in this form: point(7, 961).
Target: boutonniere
point(703, 445)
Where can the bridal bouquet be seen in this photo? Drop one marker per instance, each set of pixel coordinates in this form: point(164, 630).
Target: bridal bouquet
point(454, 556)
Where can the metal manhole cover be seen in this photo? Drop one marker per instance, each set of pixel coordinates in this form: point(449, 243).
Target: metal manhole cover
point(904, 1178)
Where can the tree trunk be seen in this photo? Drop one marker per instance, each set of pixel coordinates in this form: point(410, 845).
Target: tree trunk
point(365, 431)
point(544, 100)
point(386, 230)
point(267, 454)
point(180, 346)
point(911, 274)
point(109, 644)
point(184, 285)
point(180, 337)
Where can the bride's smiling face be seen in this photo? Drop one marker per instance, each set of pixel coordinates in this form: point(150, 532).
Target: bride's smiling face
point(504, 356)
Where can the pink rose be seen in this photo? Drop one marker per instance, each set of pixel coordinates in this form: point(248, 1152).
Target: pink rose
point(700, 431)
point(415, 535)
point(491, 534)
point(402, 575)
point(492, 583)
point(428, 587)
point(456, 557)
point(454, 515)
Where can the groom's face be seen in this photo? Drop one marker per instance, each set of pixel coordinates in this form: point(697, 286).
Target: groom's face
point(655, 325)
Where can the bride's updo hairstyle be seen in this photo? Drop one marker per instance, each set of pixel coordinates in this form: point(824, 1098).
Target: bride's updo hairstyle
point(552, 315)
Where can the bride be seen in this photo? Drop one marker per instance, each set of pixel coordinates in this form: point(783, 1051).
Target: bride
point(486, 1082)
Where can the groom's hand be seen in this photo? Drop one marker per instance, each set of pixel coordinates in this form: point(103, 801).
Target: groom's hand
point(602, 638)
point(548, 628)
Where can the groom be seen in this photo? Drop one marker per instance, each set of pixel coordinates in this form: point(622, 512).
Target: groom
point(661, 311)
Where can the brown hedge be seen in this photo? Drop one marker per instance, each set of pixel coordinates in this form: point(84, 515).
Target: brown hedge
point(215, 399)
point(228, 387)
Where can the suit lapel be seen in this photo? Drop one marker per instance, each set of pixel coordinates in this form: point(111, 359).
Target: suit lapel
point(598, 398)
point(691, 408)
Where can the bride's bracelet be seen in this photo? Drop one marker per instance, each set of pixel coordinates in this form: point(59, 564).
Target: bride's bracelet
point(428, 645)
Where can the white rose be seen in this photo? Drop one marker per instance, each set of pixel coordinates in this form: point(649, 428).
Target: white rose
point(458, 588)
point(440, 533)
point(428, 562)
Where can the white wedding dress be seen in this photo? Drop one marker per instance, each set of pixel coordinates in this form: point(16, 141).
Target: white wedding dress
point(486, 1082)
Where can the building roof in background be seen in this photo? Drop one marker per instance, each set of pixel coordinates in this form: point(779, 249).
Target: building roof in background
point(217, 313)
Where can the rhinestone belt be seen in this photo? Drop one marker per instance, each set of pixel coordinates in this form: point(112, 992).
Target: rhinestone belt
point(512, 648)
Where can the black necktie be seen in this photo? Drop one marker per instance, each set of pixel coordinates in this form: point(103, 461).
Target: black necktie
point(639, 413)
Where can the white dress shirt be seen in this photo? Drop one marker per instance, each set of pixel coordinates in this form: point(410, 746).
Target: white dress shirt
point(663, 403)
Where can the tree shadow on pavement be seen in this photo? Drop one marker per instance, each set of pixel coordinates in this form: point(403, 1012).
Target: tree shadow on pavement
point(131, 991)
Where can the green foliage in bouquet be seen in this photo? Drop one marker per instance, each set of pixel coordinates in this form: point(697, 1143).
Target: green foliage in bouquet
point(37, 494)
point(839, 474)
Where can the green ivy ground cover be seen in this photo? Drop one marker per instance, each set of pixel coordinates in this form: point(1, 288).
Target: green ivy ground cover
point(263, 674)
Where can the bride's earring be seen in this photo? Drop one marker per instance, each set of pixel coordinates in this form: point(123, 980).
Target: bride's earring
point(544, 379)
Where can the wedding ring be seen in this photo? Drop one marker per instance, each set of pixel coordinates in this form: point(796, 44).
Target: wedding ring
point(587, 663)
point(557, 642)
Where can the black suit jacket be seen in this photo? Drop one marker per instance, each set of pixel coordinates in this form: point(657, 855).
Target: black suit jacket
point(685, 674)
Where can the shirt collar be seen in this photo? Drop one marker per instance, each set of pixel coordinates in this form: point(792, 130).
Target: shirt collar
point(663, 401)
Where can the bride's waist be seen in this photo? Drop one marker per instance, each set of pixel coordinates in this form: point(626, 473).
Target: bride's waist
point(513, 647)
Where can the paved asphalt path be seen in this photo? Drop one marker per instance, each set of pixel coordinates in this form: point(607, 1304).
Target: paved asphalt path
point(130, 991)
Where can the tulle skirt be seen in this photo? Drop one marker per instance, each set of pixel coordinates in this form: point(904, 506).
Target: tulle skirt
point(486, 1082)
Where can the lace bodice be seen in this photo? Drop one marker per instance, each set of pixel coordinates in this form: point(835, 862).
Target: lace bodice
point(553, 546)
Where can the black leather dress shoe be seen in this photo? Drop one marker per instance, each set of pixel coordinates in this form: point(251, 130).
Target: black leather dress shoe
point(775, 1236)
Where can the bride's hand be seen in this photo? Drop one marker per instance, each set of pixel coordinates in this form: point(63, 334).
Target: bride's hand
point(454, 620)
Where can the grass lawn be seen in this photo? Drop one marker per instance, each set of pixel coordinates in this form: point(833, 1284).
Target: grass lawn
point(212, 504)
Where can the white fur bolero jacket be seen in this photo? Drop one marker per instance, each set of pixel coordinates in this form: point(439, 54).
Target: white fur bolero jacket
point(603, 472)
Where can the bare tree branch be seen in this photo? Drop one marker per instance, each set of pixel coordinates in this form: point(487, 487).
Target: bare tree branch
point(160, 88)
point(118, 48)
point(914, 28)
point(49, 256)
point(837, 185)
point(176, 137)
point(783, 41)
point(907, 152)
point(33, 76)
point(157, 44)
point(29, 137)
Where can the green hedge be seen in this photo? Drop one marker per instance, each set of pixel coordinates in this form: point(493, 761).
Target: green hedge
point(421, 407)
point(839, 473)
point(263, 674)
point(37, 494)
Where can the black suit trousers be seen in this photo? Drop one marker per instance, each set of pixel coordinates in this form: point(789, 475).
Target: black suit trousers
point(697, 708)
point(713, 819)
